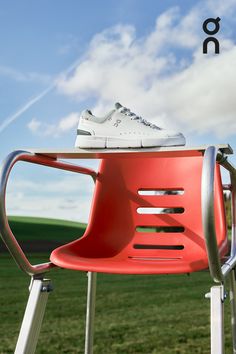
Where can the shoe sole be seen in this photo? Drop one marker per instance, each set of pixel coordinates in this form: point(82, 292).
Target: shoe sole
point(114, 143)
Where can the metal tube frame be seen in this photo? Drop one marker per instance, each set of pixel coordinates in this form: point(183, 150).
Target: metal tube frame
point(33, 317)
point(212, 156)
point(90, 314)
point(217, 319)
point(232, 299)
point(6, 233)
point(219, 273)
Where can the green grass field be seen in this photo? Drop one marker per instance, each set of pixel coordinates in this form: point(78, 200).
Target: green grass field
point(28, 228)
point(134, 314)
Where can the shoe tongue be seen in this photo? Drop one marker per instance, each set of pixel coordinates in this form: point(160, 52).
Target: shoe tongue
point(118, 105)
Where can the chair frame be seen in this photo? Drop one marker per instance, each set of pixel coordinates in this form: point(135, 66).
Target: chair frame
point(40, 286)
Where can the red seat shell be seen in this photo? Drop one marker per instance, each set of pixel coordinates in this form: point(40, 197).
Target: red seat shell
point(116, 240)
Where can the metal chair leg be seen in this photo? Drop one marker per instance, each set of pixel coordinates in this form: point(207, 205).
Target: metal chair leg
point(217, 319)
point(232, 298)
point(33, 317)
point(91, 298)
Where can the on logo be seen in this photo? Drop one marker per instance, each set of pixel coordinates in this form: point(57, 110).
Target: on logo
point(216, 23)
point(118, 121)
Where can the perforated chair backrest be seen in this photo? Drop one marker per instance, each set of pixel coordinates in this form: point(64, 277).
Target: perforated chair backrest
point(170, 233)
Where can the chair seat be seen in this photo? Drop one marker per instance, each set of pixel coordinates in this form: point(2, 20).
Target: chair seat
point(71, 257)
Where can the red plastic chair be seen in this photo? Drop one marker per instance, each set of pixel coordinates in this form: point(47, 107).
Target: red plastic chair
point(153, 212)
point(118, 237)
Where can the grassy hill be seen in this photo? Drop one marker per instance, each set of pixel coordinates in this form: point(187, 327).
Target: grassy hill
point(42, 234)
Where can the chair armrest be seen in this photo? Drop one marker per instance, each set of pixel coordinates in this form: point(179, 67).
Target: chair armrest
point(217, 271)
point(231, 261)
point(208, 219)
point(5, 230)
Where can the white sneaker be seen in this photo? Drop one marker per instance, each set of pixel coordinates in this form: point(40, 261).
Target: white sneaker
point(121, 128)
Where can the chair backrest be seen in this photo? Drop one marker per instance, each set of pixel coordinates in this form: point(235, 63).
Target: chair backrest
point(149, 208)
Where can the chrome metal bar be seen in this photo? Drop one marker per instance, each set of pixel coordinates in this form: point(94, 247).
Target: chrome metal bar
point(231, 262)
point(233, 207)
point(229, 166)
point(232, 299)
point(208, 219)
point(217, 319)
point(5, 230)
point(91, 299)
point(6, 233)
point(233, 229)
point(228, 266)
point(33, 317)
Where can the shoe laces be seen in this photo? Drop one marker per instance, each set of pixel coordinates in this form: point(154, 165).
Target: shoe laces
point(139, 119)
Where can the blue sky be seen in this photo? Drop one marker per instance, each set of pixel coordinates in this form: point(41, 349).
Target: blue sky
point(145, 54)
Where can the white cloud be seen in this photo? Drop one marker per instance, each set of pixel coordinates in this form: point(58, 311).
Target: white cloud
point(55, 208)
point(203, 95)
point(34, 125)
point(56, 129)
point(163, 76)
point(221, 8)
point(68, 122)
point(55, 184)
point(66, 198)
